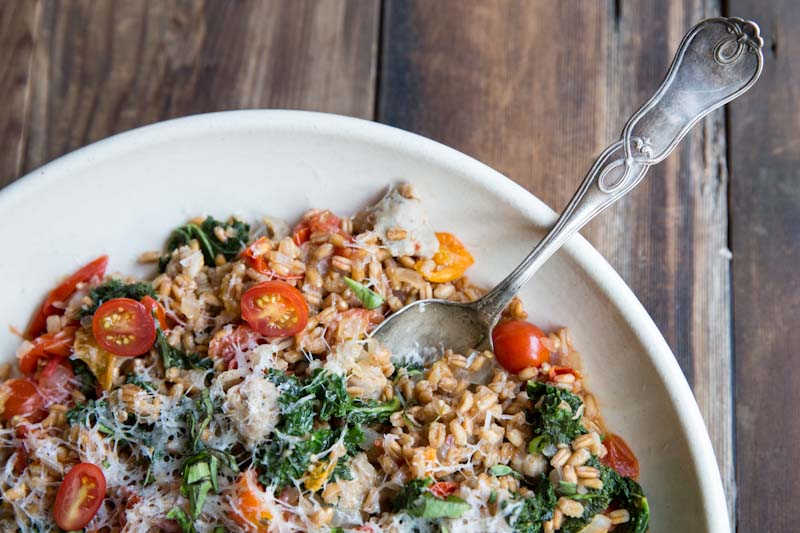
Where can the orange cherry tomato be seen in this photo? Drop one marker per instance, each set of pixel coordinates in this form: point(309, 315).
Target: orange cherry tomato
point(20, 397)
point(248, 509)
point(153, 306)
point(452, 260)
point(243, 338)
point(61, 293)
point(275, 309)
point(50, 344)
point(517, 345)
point(124, 326)
point(620, 457)
point(79, 497)
point(55, 380)
point(318, 222)
point(443, 489)
point(254, 257)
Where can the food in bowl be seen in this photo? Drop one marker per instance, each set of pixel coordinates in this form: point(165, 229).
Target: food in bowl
point(239, 390)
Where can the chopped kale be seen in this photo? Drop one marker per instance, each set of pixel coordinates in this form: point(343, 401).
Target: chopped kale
point(555, 416)
point(618, 491)
point(172, 357)
point(533, 509)
point(87, 382)
point(116, 289)
point(323, 397)
point(415, 499)
point(210, 244)
point(139, 381)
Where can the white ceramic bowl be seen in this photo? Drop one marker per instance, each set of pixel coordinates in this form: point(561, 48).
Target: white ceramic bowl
point(122, 196)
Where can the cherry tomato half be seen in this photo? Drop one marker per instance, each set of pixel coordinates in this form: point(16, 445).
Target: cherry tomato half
point(55, 380)
point(153, 306)
point(517, 345)
point(61, 293)
point(620, 457)
point(22, 398)
point(50, 344)
point(124, 326)
point(275, 309)
point(452, 260)
point(79, 497)
point(443, 489)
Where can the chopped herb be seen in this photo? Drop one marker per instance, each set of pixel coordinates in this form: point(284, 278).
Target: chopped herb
point(179, 515)
point(116, 289)
point(504, 470)
point(555, 417)
point(200, 470)
point(210, 245)
point(493, 497)
point(369, 298)
point(172, 357)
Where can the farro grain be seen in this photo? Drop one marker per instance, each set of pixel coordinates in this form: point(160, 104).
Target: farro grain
point(570, 507)
point(579, 457)
point(619, 516)
point(560, 458)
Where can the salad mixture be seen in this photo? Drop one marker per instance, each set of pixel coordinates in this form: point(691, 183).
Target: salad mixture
point(239, 390)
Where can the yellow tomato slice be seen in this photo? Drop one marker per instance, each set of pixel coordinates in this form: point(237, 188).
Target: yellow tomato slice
point(451, 260)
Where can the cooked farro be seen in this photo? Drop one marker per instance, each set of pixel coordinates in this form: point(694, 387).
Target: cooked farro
point(238, 390)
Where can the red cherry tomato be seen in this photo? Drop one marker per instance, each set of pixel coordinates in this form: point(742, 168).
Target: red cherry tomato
point(620, 457)
point(124, 326)
point(50, 344)
point(517, 345)
point(275, 309)
point(22, 398)
point(243, 338)
point(443, 489)
point(79, 497)
point(254, 256)
point(61, 293)
point(55, 380)
point(319, 222)
point(153, 306)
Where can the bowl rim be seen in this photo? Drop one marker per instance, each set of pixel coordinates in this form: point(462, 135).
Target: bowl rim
point(590, 261)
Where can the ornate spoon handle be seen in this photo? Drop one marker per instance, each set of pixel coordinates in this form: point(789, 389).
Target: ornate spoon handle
point(718, 60)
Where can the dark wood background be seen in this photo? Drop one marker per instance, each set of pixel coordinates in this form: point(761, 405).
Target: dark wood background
point(710, 242)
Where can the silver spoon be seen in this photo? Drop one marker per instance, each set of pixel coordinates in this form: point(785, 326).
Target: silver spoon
point(718, 60)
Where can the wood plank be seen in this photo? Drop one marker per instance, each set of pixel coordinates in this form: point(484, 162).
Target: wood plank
point(18, 28)
point(765, 208)
point(536, 90)
point(105, 67)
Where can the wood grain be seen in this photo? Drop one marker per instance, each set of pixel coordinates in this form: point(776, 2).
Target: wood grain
point(765, 202)
point(536, 90)
point(19, 24)
point(103, 67)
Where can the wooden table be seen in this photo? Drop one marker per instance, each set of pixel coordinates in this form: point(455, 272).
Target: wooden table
point(710, 242)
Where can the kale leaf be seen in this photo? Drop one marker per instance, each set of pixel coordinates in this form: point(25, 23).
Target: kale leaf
point(210, 245)
point(554, 416)
point(622, 492)
point(116, 289)
point(87, 382)
point(172, 357)
point(415, 499)
point(535, 508)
